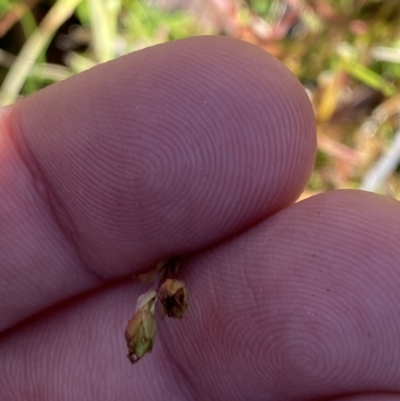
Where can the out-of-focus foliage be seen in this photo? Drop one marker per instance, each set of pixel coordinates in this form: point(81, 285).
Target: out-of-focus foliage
point(345, 52)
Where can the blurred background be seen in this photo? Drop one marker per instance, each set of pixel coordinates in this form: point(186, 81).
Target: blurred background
point(346, 54)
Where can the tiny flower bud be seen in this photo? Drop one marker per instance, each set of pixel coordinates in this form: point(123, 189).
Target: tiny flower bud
point(141, 329)
point(173, 296)
point(140, 334)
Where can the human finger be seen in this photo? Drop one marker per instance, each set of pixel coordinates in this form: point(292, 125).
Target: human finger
point(303, 306)
point(159, 153)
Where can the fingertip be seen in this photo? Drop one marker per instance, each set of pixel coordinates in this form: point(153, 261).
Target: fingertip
point(210, 130)
point(159, 153)
point(305, 304)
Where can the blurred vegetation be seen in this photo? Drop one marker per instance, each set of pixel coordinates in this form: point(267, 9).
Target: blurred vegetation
point(346, 53)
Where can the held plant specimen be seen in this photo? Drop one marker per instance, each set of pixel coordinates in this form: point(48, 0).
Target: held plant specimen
point(173, 296)
point(141, 329)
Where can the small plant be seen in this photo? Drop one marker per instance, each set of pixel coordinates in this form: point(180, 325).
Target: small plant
point(173, 297)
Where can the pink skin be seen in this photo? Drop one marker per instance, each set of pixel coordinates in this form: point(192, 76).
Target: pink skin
point(195, 147)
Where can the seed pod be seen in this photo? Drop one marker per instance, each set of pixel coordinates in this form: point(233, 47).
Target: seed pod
point(173, 296)
point(141, 329)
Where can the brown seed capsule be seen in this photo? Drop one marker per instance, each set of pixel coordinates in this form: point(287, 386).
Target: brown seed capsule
point(173, 296)
point(141, 329)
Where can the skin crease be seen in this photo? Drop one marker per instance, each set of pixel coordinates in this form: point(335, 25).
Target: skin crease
point(196, 147)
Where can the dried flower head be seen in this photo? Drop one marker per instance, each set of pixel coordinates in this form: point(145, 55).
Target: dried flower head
point(141, 329)
point(173, 296)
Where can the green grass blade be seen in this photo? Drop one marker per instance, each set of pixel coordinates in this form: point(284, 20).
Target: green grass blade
point(33, 47)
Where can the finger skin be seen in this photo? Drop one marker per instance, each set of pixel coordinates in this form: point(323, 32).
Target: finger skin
point(304, 306)
point(370, 397)
point(162, 152)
